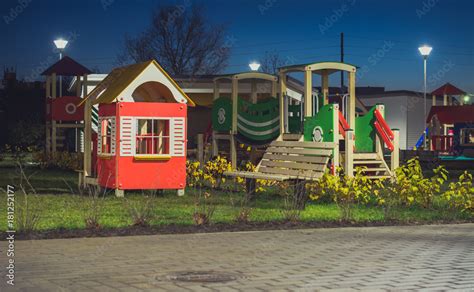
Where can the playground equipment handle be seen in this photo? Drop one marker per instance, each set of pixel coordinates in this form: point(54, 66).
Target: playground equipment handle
point(381, 121)
point(343, 125)
point(386, 139)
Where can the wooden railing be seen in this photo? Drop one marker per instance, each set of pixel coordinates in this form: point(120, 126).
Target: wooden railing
point(384, 130)
point(442, 143)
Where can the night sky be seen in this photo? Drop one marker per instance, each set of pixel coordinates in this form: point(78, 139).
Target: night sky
point(381, 37)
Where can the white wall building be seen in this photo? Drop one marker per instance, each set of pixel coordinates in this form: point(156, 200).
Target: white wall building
point(403, 111)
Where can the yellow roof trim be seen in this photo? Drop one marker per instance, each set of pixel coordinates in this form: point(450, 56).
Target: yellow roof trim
point(120, 78)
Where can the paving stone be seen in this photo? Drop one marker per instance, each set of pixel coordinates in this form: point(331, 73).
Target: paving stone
point(370, 259)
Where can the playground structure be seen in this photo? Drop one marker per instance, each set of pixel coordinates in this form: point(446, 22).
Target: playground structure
point(252, 117)
point(438, 135)
point(141, 139)
point(328, 135)
point(63, 115)
point(460, 119)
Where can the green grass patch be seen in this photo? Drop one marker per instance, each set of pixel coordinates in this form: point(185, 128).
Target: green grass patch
point(61, 206)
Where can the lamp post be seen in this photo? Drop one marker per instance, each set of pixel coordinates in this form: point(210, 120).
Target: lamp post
point(60, 45)
point(425, 52)
point(254, 66)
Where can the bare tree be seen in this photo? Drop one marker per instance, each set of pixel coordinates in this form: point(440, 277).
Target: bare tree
point(270, 62)
point(182, 40)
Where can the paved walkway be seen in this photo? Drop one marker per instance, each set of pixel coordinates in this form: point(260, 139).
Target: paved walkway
point(390, 258)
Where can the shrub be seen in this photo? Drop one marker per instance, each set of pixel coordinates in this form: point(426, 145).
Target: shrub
point(27, 216)
point(294, 199)
point(413, 187)
point(141, 211)
point(93, 206)
point(345, 191)
point(62, 160)
point(203, 210)
point(460, 194)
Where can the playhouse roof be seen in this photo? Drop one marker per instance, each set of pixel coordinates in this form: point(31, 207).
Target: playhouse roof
point(448, 89)
point(452, 114)
point(67, 67)
point(121, 78)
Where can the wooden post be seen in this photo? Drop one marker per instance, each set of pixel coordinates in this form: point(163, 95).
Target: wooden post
point(335, 119)
point(233, 152)
point(395, 159)
point(78, 86)
point(325, 86)
point(119, 193)
point(434, 100)
point(48, 138)
point(445, 99)
point(352, 101)
point(308, 93)
point(53, 86)
point(235, 92)
point(53, 137)
point(253, 91)
point(233, 147)
point(87, 131)
point(282, 102)
point(274, 88)
point(349, 153)
point(200, 147)
point(215, 147)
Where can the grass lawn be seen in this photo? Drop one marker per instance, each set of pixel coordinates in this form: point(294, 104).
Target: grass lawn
point(60, 205)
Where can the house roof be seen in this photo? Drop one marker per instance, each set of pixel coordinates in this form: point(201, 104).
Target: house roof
point(448, 89)
point(452, 114)
point(67, 67)
point(120, 78)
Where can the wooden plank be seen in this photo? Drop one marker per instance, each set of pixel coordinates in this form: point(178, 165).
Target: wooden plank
point(311, 145)
point(366, 156)
point(293, 165)
point(367, 162)
point(296, 158)
point(256, 175)
point(291, 172)
point(291, 137)
point(373, 169)
point(318, 152)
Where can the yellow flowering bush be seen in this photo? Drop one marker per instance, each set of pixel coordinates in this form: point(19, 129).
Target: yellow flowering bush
point(211, 173)
point(460, 194)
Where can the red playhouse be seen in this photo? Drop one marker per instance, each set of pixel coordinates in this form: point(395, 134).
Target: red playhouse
point(142, 129)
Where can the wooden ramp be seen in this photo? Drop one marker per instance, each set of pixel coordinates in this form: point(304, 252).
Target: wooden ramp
point(289, 160)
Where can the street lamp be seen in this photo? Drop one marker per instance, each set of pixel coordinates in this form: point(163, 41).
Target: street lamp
point(425, 52)
point(254, 66)
point(60, 45)
point(466, 99)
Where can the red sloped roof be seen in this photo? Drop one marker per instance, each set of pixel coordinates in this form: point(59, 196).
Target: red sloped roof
point(448, 89)
point(67, 67)
point(452, 114)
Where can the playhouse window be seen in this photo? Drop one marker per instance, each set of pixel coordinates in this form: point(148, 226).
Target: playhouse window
point(152, 136)
point(467, 137)
point(106, 135)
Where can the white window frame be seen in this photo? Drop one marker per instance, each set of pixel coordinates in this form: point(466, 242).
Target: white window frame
point(112, 122)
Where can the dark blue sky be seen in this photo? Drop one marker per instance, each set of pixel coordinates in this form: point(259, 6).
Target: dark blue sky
point(381, 36)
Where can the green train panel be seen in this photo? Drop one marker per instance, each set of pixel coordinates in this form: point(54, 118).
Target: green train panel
point(257, 122)
point(320, 128)
point(365, 132)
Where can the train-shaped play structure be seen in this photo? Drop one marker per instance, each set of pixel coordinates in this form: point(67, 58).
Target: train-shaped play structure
point(303, 140)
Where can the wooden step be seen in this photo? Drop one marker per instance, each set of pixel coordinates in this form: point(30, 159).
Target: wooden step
point(367, 162)
point(374, 169)
point(365, 156)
